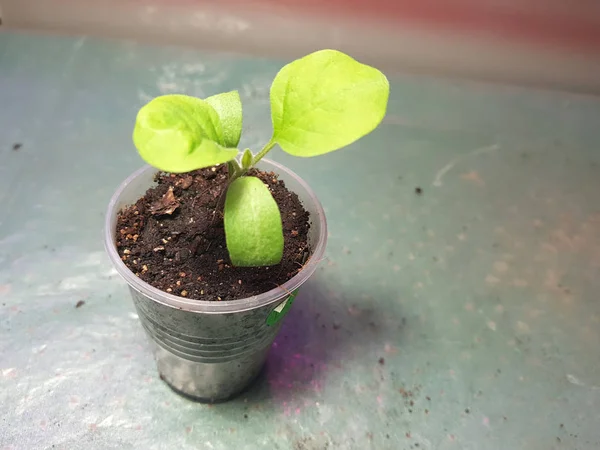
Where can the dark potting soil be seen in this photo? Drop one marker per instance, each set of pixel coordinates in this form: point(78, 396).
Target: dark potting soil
point(173, 238)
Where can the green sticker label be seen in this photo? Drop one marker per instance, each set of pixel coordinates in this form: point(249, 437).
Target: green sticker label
point(281, 310)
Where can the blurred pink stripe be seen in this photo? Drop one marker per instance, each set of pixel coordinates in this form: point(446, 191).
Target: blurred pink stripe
point(571, 25)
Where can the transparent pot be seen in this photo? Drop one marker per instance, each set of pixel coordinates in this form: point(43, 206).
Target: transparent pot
point(211, 351)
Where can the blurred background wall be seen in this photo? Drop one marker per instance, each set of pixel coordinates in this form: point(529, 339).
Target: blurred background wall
point(552, 43)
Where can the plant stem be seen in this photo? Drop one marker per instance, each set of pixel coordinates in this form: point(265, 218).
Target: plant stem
point(264, 151)
point(233, 170)
point(230, 170)
point(236, 171)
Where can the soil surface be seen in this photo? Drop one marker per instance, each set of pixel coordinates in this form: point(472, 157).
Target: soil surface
point(173, 238)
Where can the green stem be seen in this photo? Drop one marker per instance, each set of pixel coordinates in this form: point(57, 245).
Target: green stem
point(233, 170)
point(264, 151)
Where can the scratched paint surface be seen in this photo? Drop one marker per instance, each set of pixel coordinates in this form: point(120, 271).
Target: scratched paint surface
point(466, 317)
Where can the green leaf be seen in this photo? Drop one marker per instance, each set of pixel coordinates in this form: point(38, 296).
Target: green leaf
point(325, 101)
point(178, 133)
point(253, 228)
point(229, 108)
point(247, 159)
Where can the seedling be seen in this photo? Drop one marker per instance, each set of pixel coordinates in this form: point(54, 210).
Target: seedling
point(319, 103)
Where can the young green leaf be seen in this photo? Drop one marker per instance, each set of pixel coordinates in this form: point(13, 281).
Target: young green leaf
point(247, 159)
point(229, 108)
point(253, 228)
point(325, 101)
point(178, 133)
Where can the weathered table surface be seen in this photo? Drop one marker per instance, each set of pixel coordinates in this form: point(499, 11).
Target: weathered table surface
point(466, 317)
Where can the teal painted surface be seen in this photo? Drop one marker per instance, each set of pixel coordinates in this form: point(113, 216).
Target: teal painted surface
point(466, 317)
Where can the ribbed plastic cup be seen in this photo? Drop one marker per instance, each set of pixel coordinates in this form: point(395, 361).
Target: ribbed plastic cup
point(211, 351)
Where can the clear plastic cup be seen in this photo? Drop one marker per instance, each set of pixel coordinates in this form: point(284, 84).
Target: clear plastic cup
point(211, 351)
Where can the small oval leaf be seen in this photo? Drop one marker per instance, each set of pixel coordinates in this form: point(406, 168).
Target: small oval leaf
point(325, 101)
point(228, 106)
point(247, 159)
point(253, 228)
point(179, 133)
